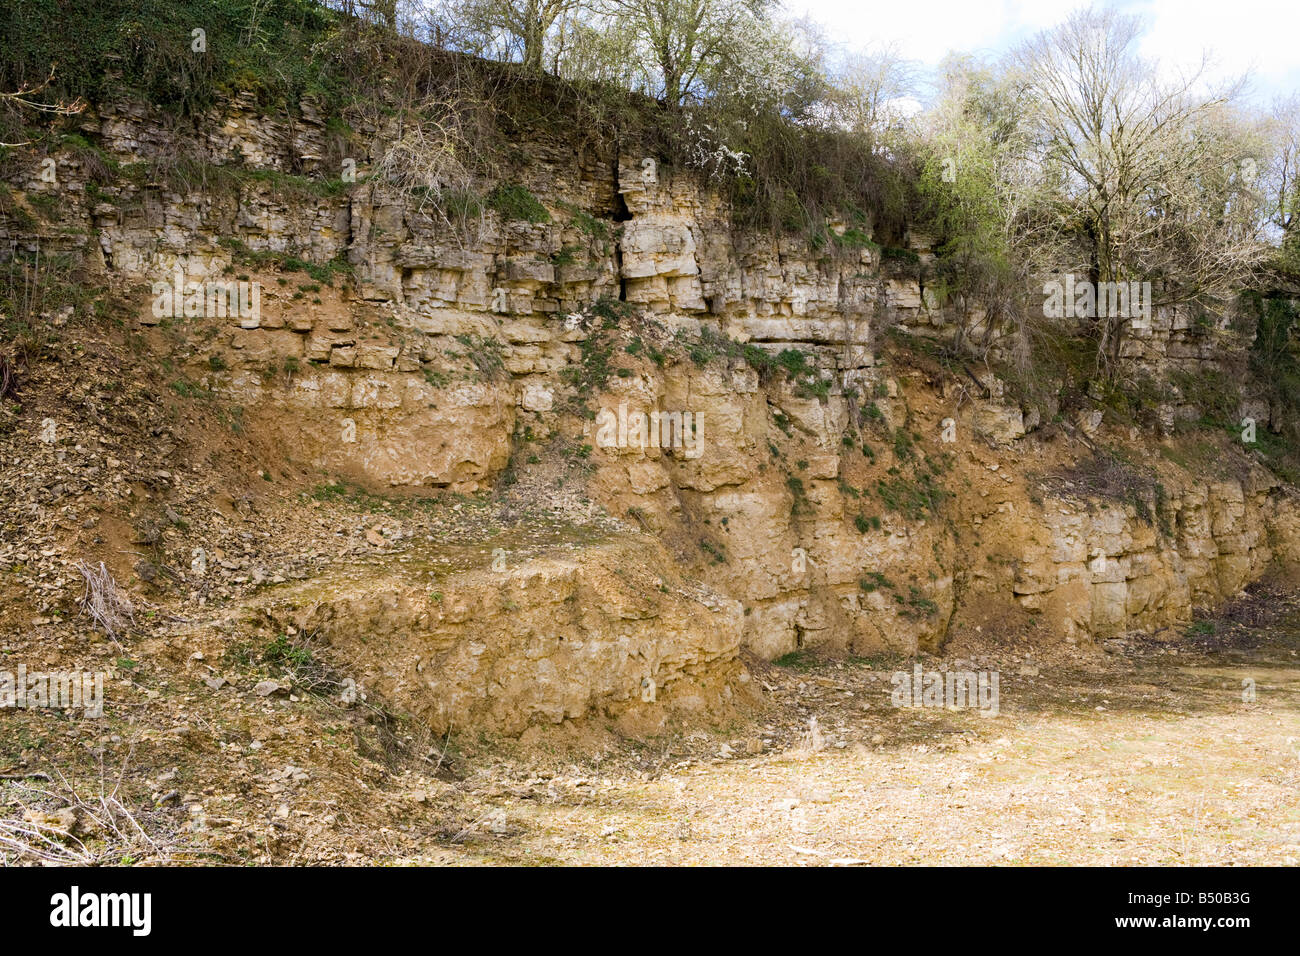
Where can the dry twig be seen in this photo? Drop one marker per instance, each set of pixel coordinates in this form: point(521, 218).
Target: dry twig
point(105, 602)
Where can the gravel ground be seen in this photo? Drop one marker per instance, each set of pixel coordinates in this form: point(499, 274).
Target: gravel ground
point(1138, 756)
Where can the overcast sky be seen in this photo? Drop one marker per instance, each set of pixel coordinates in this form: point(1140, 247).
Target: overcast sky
point(1258, 35)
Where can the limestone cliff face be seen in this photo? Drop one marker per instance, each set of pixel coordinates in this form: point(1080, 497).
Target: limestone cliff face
point(855, 506)
point(812, 573)
point(1099, 569)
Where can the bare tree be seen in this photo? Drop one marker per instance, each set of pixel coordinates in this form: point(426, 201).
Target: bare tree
point(867, 88)
point(980, 187)
point(680, 40)
point(1132, 164)
point(514, 29)
point(1280, 178)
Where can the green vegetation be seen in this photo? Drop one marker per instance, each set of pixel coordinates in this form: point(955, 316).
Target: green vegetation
point(903, 445)
point(435, 378)
point(281, 652)
point(716, 551)
point(566, 256)
point(790, 363)
point(914, 498)
point(187, 389)
point(343, 492)
point(864, 523)
point(799, 497)
point(487, 354)
point(874, 580)
point(264, 259)
point(147, 46)
point(797, 660)
point(915, 604)
point(595, 230)
point(515, 202)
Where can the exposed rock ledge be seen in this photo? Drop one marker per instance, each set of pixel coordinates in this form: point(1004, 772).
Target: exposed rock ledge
point(608, 629)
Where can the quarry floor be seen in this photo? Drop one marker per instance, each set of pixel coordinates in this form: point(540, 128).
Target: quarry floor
point(1140, 755)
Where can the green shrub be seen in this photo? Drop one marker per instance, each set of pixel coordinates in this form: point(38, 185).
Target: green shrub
point(515, 203)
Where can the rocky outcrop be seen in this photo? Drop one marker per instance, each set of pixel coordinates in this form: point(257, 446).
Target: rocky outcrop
point(1096, 568)
point(610, 629)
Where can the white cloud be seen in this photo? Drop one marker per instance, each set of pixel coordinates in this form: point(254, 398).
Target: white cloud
point(927, 31)
point(1241, 34)
point(1245, 35)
